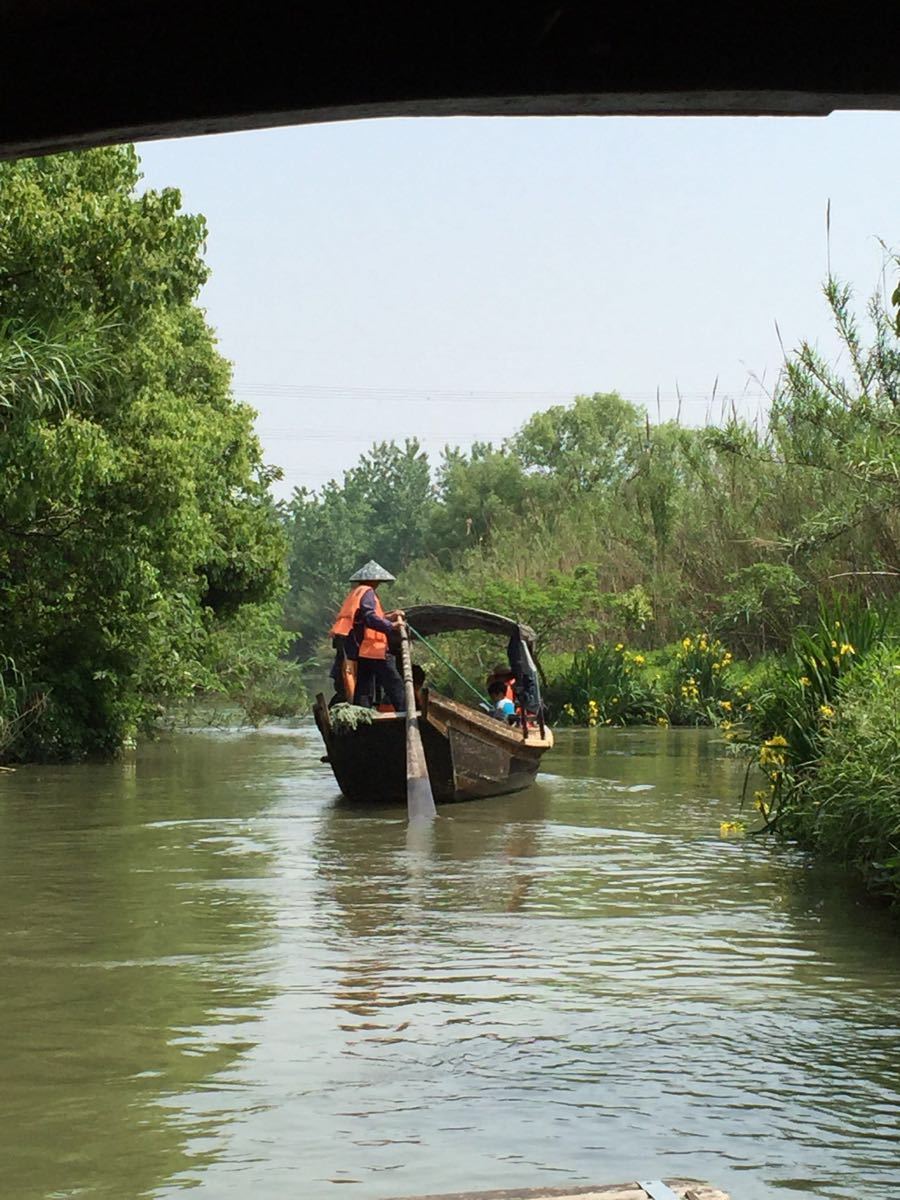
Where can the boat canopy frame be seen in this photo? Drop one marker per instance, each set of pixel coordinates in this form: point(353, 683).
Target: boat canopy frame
point(430, 619)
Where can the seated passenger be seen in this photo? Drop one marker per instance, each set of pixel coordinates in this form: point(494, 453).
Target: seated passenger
point(505, 676)
point(503, 708)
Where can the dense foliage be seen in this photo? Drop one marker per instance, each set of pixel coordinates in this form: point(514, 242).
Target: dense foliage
point(851, 809)
point(136, 527)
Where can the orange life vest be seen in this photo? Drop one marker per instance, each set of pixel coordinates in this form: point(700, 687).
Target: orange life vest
point(343, 622)
point(374, 643)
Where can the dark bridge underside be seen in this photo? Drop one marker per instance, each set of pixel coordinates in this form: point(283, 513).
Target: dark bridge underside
point(85, 72)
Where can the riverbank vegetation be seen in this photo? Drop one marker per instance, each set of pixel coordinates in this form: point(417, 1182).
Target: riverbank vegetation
point(141, 554)
point(825, 736)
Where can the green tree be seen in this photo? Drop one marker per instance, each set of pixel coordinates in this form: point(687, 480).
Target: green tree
point(584, 445)
point(478, 492)
point(838, 435)
point(135, 516)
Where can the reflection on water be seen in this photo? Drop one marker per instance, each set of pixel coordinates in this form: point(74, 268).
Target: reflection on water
point(132, 959)
point(218, 975)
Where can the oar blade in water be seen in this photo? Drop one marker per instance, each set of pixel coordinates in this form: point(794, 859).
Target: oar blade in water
point(419, 797)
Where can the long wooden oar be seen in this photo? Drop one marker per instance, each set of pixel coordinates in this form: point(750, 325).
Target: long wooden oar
point(419, 800)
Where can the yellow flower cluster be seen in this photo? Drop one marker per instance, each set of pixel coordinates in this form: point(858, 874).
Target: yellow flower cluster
point(826, 711)
point(843, 650)
point(593, 709)
point(701, 642)
point(771, 753)
point(762, 802)
point(690, 693)
point(729, 827)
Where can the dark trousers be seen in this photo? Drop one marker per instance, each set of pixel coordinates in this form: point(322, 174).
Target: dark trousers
point(384, 672)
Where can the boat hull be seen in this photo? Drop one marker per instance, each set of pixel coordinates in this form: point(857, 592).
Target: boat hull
point(469, 754)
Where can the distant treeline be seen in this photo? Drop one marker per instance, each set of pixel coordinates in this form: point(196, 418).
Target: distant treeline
point(595, 525)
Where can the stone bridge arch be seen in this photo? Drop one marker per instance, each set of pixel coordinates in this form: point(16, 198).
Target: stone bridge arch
point(89, 72)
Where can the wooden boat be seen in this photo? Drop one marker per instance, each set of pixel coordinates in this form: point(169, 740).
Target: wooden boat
point(470, 754)
point(651, 1189)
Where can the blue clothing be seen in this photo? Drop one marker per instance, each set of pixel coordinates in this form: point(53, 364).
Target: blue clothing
point(365, 616)
point(505, 708)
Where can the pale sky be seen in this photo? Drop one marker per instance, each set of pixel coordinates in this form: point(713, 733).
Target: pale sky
point(448, 277)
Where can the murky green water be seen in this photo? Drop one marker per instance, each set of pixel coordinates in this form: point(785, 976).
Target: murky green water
point(216, 977)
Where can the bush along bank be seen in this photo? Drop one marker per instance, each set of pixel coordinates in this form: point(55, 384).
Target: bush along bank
point(825, 733)
point(695, 681)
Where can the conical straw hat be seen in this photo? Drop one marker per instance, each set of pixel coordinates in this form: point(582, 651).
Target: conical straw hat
point(371, 572)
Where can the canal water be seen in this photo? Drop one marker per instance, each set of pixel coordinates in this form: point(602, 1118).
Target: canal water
point(218, 979)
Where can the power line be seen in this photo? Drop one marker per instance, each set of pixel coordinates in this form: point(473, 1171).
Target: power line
point(428, 395)
point(378, 435)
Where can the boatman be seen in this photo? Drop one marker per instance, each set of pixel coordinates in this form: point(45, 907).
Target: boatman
point(365, 628)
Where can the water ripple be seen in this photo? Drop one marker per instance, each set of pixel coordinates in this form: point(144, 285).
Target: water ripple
point(220, 976)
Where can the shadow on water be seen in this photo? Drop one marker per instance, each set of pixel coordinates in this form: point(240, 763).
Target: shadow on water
point(130, 944)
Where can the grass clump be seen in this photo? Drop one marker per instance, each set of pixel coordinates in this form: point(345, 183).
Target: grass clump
point(606, 685)
point(688, 683)
point(701, 692)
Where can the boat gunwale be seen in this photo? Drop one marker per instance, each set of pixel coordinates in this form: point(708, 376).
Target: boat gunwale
point(449, 711)
point(508, 736)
